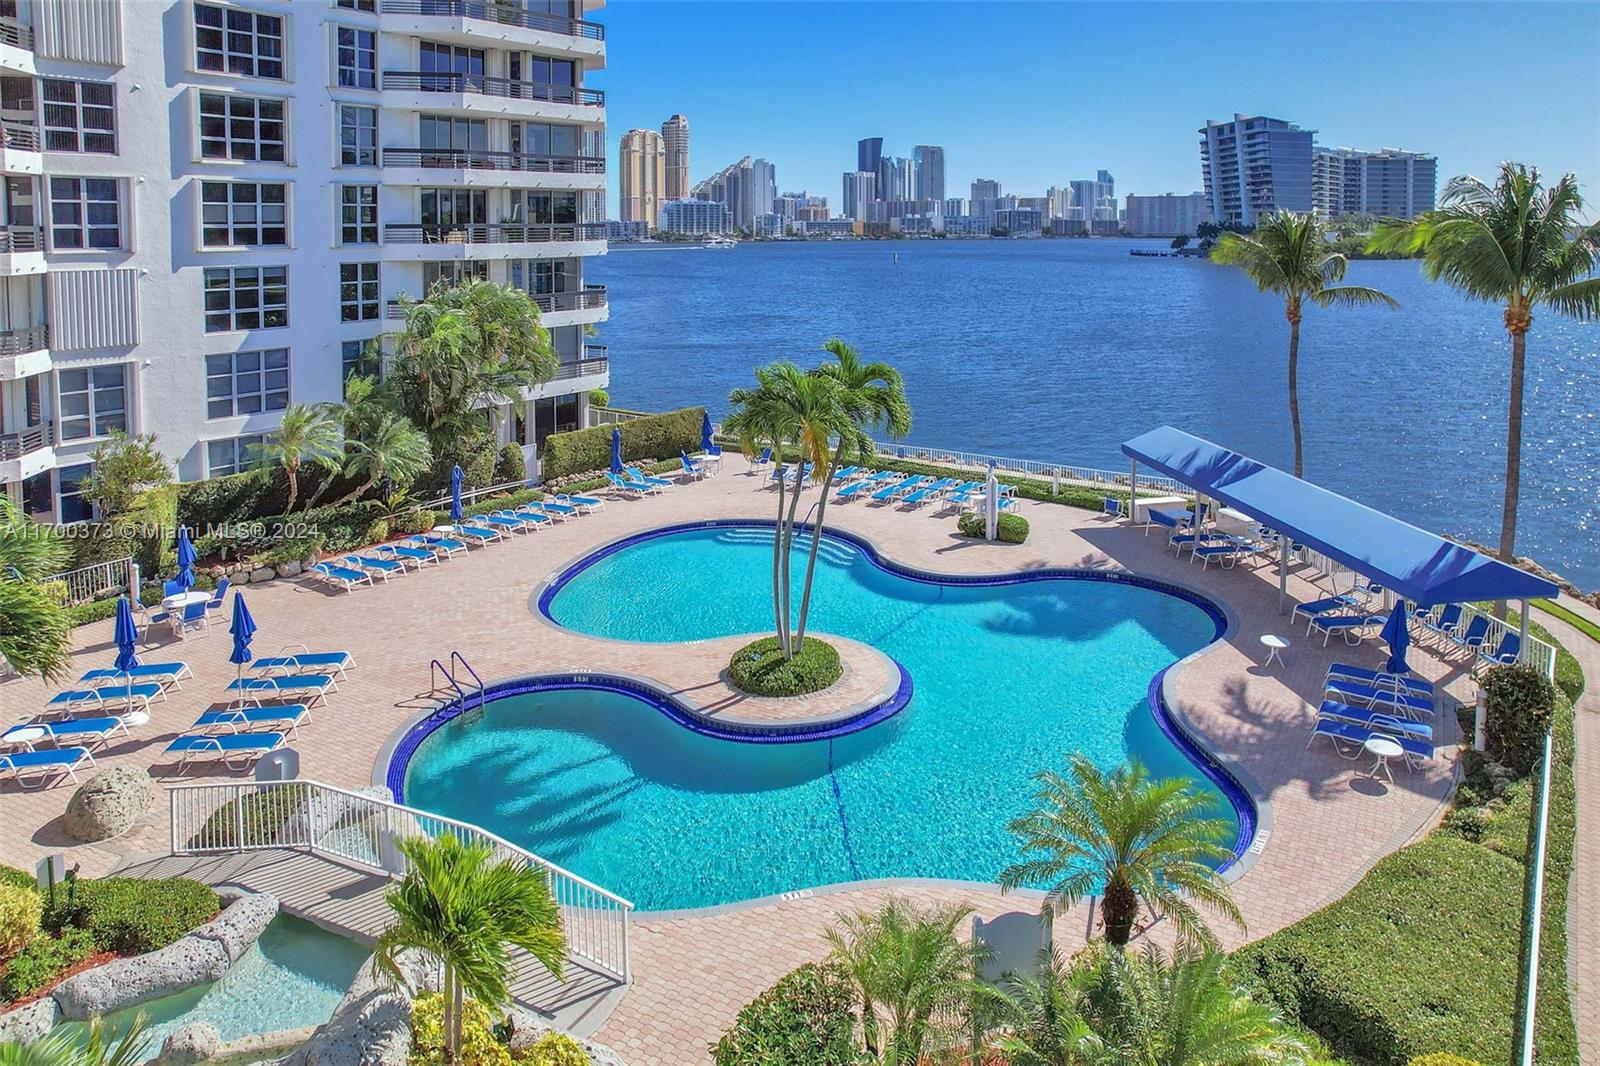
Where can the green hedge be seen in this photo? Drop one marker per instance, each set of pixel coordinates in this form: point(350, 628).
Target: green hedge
point(253, 495)
point(1521, 706)
point(42, 961)
point(651, 437)
point(760, 669)
point(1010, 529)
point(130, 915)
point(806, 1019)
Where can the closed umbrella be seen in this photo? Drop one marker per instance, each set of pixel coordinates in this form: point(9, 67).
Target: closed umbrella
point(455, 495)
point(185, 576)
point(242, 629)
point(616, 450)
point(126, 635)
point(707, 445)
point(1396, 632)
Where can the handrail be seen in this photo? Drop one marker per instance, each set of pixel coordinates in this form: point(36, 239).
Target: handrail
point(582, 368)
point(483, 159)
point(492, 232)
point(21, 239)
point(26, 339)
point(22, 136)
point(590, 297)
point(457, 657)
point(484, 85)
point(16, 34)
point(29, 440)
point(89, 582)
point(504, 14)
point(1539, 654)
point(435, 668)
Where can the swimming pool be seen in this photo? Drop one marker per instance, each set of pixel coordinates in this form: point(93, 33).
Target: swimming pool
point(1011, 676)
point(293, 976)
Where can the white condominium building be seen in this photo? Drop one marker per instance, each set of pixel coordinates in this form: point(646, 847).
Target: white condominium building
point(1167, 215)
point(1391, 183)
point(210, 210)
point(1253, 166)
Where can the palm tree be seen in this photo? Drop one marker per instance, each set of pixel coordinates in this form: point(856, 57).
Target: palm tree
point(787, 409)
point(1133, 839)
point(871, 396)
point(305, 434)
point(1149, 1012)
point(1517, 244)
point(912, 971)
point(460, 906)
point(396, 450)
point(63, 1048)
point(1289, 255)
point(35, 635)
point(1043, 1016)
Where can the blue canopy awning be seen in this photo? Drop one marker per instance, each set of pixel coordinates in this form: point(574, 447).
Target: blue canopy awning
point(1411, 562)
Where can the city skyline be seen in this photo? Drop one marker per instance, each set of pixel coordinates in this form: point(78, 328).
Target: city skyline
point(1143, 125)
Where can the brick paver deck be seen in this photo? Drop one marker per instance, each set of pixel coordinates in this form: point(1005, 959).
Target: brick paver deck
point(1330, 821)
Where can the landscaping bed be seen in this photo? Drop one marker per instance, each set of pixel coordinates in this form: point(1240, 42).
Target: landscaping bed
point(760, 669)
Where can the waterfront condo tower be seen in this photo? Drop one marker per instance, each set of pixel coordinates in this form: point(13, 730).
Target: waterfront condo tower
point(211, 210)
point(1253, 166)
point(929, 162)
point(643, 177)
point(675, 145)
point(1391, 183)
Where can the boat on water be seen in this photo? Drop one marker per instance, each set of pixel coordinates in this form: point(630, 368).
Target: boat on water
point(721, 242)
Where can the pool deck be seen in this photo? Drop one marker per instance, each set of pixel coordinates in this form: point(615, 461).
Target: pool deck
point(1329, 820)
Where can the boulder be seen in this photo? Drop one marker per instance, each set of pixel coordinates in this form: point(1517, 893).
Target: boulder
point(525, 1029)
point(109, 803)
point(124, 982)
point(27, 1024)
point(371, 1026)
point(262, 573)
point(240, 923)
point(193, 1043)
point(289, 569)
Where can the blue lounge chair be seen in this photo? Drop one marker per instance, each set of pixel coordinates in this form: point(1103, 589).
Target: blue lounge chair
point(1113, 507)
point(19, 765)
point(308, 687)
point(1326, 605)
point(841, 477)
point(473, 533)
point(406, 554)
point(1416, 686)
point(1352, 627)
point(284, 716)
point(1227, 555)
point(959, 497)
point(237, 751)
point(761, 460)
point(289, 662)
point(1446, 624)
point(384, 568)
point(504, 520)
point(690, 466)
point(1350, 691)
point(1175, 521)
point(888, 492)
point(445, 546)
point(68, 700)
point(214, 604)
point(629, 487)
point(1508, 652)
point(1415, 751)
point(194, 616)
point(864, 486)
point(163, 674)
point(140, 694)
point(343, 576)
point(581, 504)
point(172, 588)
point(551, 508)
point(1474, 636)
point(78, 731)
point(649, 479)
point(1376, 720)
point(927, 492)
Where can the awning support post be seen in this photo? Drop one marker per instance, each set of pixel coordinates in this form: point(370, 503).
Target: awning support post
point(1133, 492)
point(1522, 644)
point(1283, 572)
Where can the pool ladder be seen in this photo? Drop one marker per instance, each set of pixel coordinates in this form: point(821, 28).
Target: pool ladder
point(450, 670)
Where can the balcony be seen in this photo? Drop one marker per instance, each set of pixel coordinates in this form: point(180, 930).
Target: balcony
point(21, 250)
point(16, 47)
point(24, 352)
point(589, 298)
point(19, 148)
point(493, 240)
point(481, 22)
point(475, 94)
point(583, 368)
point(481, 168)
point(29, 452)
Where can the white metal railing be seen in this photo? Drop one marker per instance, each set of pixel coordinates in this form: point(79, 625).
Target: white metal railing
point(611, 416)
point(1539, 654)
point(230, 817)
point(90, 582)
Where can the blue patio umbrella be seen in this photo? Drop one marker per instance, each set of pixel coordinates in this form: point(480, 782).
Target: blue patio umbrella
point(242, 629)
point(126, 636)
point(706, 443)
point(185, 576)
point(455, 494)
point(1398, 635)
point(616, 450)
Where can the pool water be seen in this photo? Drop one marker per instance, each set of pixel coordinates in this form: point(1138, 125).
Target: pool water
point(294, 976)
point(1008, 680)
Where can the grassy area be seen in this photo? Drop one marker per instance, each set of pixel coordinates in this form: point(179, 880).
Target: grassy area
point(1422, 955)
point(1572, 618)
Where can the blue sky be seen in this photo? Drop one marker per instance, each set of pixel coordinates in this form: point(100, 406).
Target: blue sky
point(1036, 94)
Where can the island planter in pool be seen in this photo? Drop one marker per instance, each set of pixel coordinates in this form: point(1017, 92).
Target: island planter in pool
point(1012, 674)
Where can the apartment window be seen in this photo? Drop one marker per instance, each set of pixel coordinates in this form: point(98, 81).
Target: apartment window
point(234, 213)
point(79, 116)
point(92, 401)
point(236, 41)
point(234, 455)
point(358, 291)
point(454, 207)
point(246, 298)
point(85, 213)
point(544, 138)
point(358, 136)
point(442, 131)
point(357, 58)
point(359, 5)
point(241, 128)
point(360, 359)
point(247, 383)
point(453, 272)
point(358, 214)
point(69, 493)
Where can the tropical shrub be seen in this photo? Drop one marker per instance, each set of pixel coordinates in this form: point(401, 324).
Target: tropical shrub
point(42, 961)
point(479, 1047)
point(255, 494)
point(1010, 529)
point(130, 915)
point(760, 669)
point(419, 521)
point(510, 466)
point(474, 453)
point(1521, 707)
point(124, 466)
point(20, 911)
point(291, 550)
point(660, 436)
point(599, 398)
point(806, 1019)
point(554, 1049)
point(35, 636)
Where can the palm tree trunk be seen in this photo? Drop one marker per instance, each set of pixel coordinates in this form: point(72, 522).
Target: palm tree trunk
point(1119, 906)
point(816, 541)
point(293, 470)
point(356, 493)
point(779, 615)
point(1294, 389)
point(451, 994)
point(788, 568)
point(1508, 514)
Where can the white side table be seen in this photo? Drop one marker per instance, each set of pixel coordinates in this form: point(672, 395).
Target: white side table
point(1275, 646)
point(1384, 748)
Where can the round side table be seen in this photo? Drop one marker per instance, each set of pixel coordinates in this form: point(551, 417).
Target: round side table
point(1275, 646)
point(1384, 748)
